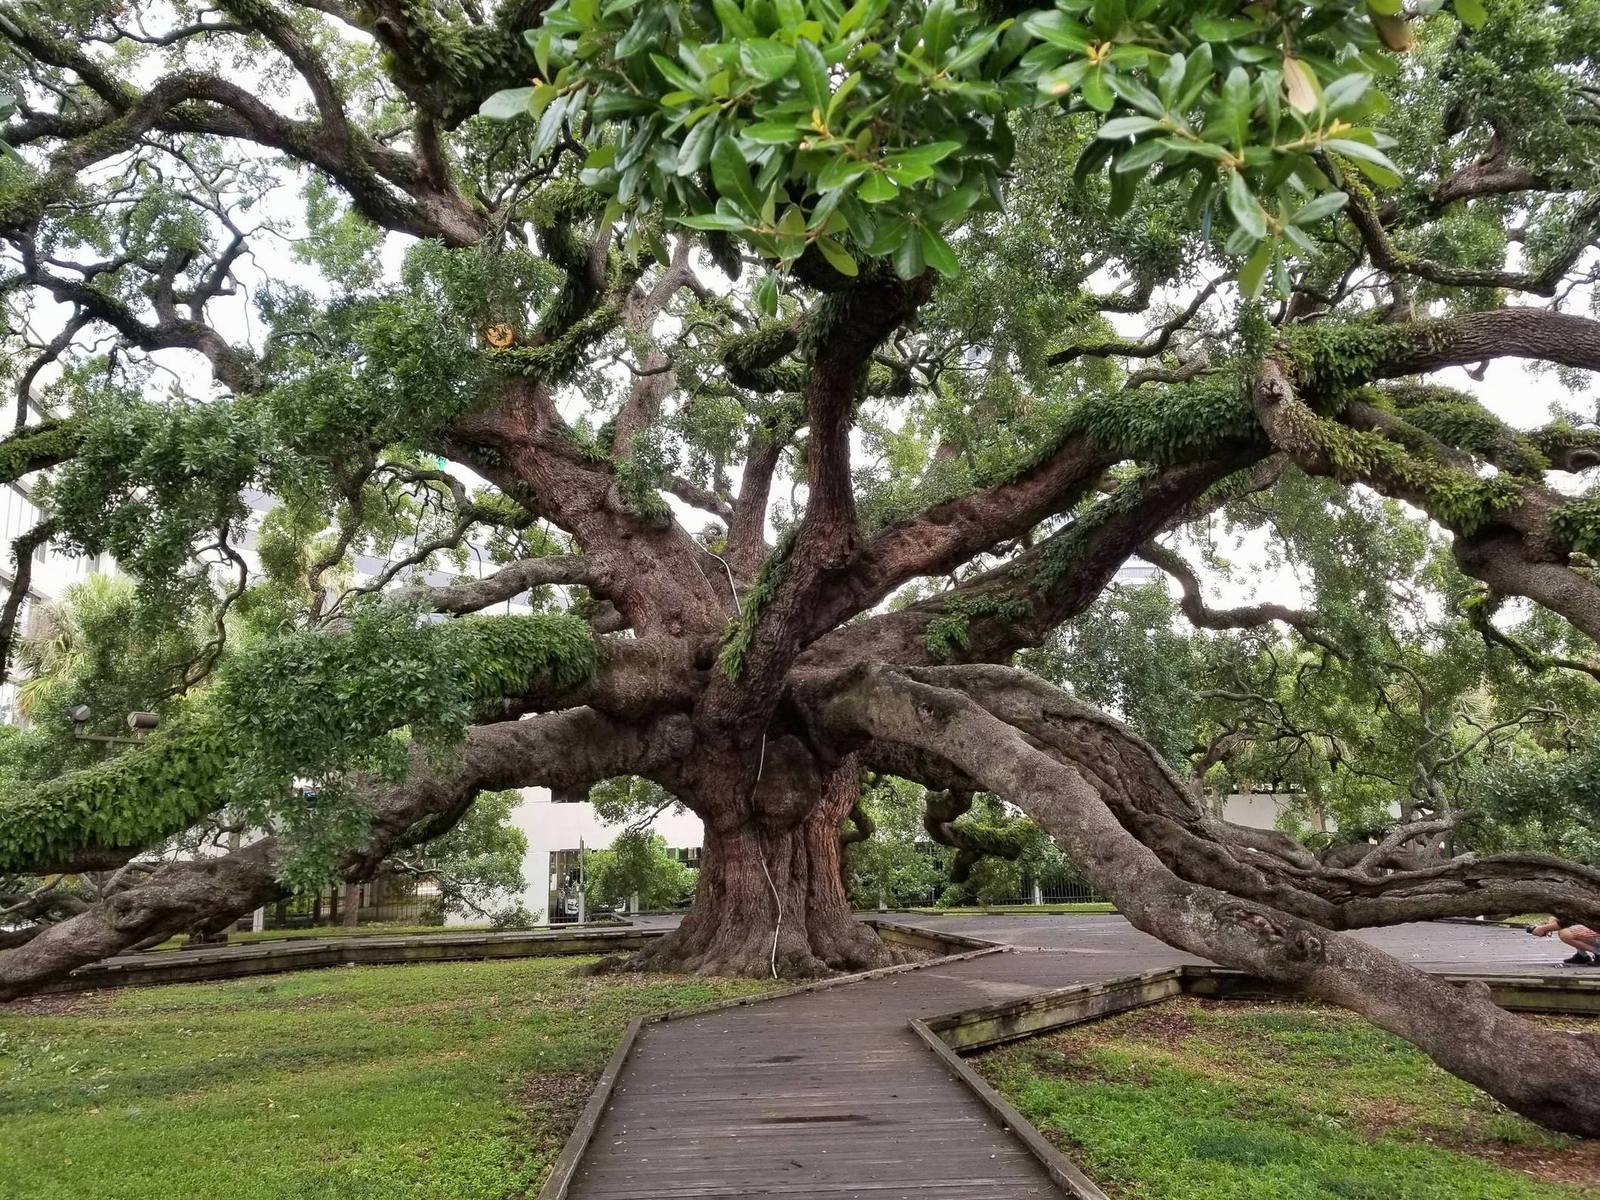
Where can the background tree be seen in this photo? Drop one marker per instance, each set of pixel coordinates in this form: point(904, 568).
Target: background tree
point(932, 314)
point(637, 864)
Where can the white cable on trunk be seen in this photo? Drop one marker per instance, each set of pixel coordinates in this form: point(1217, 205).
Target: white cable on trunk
point(778, 900)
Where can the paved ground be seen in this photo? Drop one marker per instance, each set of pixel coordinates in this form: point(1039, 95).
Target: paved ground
point(1435, 946)
point(830, 1095)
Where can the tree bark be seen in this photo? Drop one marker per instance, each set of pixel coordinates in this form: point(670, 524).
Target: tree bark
point(771, 900)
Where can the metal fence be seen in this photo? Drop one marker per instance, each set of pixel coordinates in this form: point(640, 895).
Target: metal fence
point(386, 901)
point(1051, 887)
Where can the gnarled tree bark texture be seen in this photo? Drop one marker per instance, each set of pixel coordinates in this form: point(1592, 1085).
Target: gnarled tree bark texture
point(756, 681)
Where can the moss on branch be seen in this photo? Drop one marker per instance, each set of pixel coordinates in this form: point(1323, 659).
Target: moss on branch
point(736, 647)
point(305, 706)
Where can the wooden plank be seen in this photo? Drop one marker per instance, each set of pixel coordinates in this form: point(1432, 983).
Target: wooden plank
point(1062, 1169)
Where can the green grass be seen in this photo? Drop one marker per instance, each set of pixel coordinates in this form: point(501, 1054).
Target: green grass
point(1235, 1101)
point(456, 1080)
point(1020, 909)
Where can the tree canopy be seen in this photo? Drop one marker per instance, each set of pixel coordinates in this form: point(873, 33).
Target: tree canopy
point(812, 369)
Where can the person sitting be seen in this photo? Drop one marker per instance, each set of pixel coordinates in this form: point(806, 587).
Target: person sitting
point(1584, 941)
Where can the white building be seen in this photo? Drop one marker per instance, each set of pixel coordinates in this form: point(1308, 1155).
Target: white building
point(557, 828)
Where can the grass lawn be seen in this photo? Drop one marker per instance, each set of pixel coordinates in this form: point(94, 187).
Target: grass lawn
point(453, 1081)
point(1193, 1100)
point(1043, 910)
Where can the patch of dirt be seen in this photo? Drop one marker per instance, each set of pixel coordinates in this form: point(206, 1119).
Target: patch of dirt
point(553, 1101)
point(1070, 1053)
point(57, 1004)
point(1575, 1165)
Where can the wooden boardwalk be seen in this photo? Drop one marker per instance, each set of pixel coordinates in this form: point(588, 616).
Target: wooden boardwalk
point(830, 1094)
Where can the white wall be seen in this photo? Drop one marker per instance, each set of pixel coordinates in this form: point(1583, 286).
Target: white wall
point(1257, 810)
point(550, 827)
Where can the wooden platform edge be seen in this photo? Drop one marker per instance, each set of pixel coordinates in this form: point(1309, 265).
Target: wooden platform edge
point(1061, 1169)
point(967, 1030)
point(566, 1164)
point(1576, 994)
point(271, 958)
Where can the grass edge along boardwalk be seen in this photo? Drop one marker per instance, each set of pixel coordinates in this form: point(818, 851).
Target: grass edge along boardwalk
point(1237, 1100)
point(456, 1080)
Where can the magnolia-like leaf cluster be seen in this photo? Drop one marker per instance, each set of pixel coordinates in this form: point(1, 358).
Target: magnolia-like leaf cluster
point(870, 130)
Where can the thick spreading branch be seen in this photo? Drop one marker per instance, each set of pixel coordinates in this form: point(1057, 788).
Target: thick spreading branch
point(1526, 1066)
point(557, 750)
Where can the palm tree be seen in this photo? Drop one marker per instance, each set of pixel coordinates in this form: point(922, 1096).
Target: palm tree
point(56, 645)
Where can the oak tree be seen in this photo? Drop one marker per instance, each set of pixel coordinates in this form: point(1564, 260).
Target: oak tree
point(827, 357)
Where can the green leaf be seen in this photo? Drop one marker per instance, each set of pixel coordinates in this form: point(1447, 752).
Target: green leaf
point(646, 30)
point(838, 257)
point(839, 172)
point(937, 253)
point(695, 151)
point(812, 70)
point(1058, 29)
point(922, 156)
point(1142, 155)
point(1108, 17)
point(767, 294)
point(1374, 163)
point(678, 77)
point(853, 18)
point(725, 222)
point(838, 97)
point(1345, 91)
point(1064, 78)
point(1123, 127)
point(1254, 271)
point(908, 260)
point(773, 133)
point(502, 106)
point(766, 59)
point(733, 19)
point(952, 206)
point(1096, 91)
point(1471, 12)
point(1244, 207)
point(793, 223)
point(732, 177)
point(937, 26)
point(1221, 29)
point(1324, 205)
point(878, 188)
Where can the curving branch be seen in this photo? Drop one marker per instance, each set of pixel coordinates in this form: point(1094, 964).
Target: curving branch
point(509, 581)
point(1148, 348)
point(1551, 1077)
point(1249, 616)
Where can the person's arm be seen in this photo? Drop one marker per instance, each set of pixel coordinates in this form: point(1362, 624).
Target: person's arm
point(1544, 928)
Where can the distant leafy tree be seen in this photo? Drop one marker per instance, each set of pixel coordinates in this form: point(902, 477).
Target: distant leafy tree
point(638, 863)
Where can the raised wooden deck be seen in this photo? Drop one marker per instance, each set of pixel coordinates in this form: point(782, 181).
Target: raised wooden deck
point(832, 1094)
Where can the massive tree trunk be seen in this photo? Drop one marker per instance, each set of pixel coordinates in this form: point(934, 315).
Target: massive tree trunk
point(771, 898)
